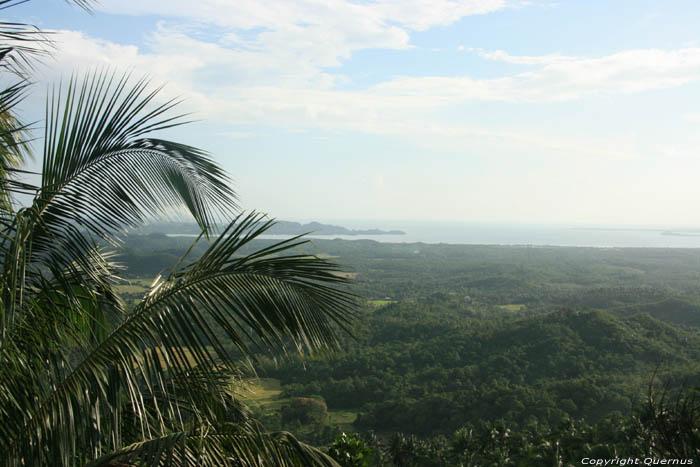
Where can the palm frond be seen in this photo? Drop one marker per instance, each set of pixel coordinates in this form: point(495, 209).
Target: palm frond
point(21, 45)
point(255, 299)
point(82, 380)
point(101, 173)
point(220, 446)
point(85, 4)
point(14, 148)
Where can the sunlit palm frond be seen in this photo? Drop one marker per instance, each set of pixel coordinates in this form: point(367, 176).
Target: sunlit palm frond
point(101, 174)
point(49, 322)
point(14, 148)
point(21, 44)
point(85, 4)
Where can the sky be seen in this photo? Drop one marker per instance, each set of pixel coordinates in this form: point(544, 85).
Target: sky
point(541, 111)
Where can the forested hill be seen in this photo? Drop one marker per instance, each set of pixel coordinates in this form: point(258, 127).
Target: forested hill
point(433, 367)
point(452, 335)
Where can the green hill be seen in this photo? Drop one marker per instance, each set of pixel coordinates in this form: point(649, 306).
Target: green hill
point(670, 310)
point(433, 368)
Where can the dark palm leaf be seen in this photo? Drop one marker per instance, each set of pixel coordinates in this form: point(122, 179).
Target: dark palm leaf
point(142, 359)
point(83, 381)
point(97, 130)
point(224, 447)
point(259, 298)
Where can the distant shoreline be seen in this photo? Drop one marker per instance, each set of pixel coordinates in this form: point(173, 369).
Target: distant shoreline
point(480, 234)
point(277, 228)
point(670, 233)
point(387, 240)
point(680, 234)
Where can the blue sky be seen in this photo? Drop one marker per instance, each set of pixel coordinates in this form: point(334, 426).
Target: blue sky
point(583, 112)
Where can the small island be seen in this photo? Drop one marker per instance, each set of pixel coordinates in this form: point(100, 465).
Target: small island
point(680, 234)
point(317, 228)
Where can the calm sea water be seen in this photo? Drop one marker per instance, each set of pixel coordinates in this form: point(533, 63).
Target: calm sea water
point(516, 234)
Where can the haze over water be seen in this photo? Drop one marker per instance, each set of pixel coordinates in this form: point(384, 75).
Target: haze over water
point(478, 233)
point(475, 233)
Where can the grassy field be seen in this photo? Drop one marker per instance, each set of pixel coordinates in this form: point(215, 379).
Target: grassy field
point(343, 419)
point(134, 286)
point(264, 394)
point(380, 303)
point(261, 394)
point(347, 275)
point(512, 307)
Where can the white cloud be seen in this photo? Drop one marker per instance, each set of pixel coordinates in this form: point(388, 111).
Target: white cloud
point(561, 78)
point(521, 4)
point(284, 78)
point(420, 15)
point(274, 14)
point(266, 87)
point(500, 55)
point(313, 33)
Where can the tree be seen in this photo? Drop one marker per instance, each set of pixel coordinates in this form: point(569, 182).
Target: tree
point(83, 381)
point(350, 451)
point(305, 410)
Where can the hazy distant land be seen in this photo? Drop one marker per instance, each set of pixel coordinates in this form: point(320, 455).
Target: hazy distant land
point(680, 234)
point(669, 233)
point(280, 228)
point(295, 228)
point(468, 233)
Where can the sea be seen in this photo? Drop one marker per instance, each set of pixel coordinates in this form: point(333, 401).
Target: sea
point(479, 233)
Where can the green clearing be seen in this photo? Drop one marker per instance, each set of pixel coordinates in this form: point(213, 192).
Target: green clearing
point(342, 418)
point(512, 307)
point(134, 286)
point(262, 391)
point(264, 394)
point(380, 303)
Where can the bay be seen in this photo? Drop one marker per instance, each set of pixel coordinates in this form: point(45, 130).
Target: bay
point(475, 233)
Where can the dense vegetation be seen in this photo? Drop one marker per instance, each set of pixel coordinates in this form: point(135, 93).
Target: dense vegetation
point(429, 369)
point(542, 278)
point(457, 343)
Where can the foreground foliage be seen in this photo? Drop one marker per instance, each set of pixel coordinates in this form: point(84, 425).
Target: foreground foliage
point(662, 428)
point(83, 379)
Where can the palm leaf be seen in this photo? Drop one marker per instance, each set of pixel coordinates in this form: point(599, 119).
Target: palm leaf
point(224, 447)
point(100, 172)
point(256, 299)
point(81, 380)
point(101, 175)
